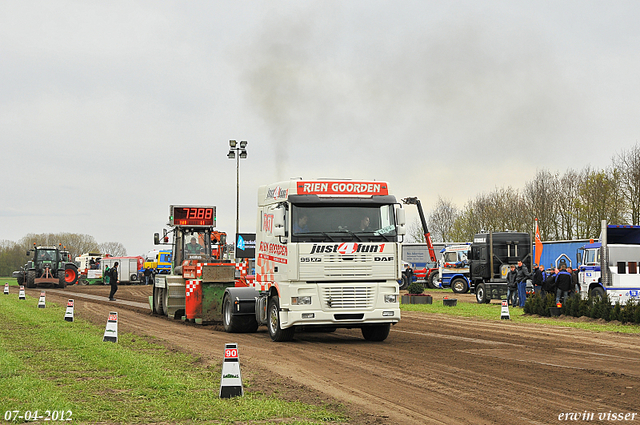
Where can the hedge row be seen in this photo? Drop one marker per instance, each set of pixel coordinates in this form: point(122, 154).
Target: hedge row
point(594, 307)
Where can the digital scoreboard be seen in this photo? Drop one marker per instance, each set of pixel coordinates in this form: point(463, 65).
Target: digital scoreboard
point(189, 215)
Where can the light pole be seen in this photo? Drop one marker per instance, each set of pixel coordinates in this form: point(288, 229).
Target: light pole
point(237, 153)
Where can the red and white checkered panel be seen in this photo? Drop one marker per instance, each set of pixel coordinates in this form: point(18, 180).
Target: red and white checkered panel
point(191, 285)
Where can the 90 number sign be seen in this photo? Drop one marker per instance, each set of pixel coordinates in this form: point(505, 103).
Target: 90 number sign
point(181, 215)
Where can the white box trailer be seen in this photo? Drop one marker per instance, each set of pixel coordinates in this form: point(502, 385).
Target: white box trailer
point(128, 268)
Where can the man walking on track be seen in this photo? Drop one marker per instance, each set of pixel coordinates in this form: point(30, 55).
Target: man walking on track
point(113, 280)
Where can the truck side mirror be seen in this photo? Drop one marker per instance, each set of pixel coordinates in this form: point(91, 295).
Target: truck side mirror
point(401, 219)
point(156, 238)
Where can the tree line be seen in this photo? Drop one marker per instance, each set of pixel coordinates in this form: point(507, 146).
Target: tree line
point(13, 254)
point(568, 206)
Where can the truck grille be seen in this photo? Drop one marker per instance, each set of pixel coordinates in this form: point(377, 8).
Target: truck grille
point(347, 297)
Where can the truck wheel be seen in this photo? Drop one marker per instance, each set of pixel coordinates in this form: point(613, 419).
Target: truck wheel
point(404, 283)
point(31, 279)
point(276, 333)
point(481, 294)
point(459, 285)
point(70, 274)
point(598, 292)
point(433, 277)
point(133, 277)
point(62, 283)
point(158, 301)
point(236, 324)
point(20, 279)
point(376, 332)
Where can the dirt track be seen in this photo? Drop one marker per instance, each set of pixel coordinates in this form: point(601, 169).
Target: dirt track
point(432, 369)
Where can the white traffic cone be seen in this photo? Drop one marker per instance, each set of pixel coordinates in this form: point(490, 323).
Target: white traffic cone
point(504, 313)
point(231, 382)
point(111, 332)
point(6, 289)
point(68, 315)
point(41, 302)
point(21, 295)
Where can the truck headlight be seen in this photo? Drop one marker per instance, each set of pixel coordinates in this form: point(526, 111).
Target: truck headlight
point(391, 298)
point(301, 300)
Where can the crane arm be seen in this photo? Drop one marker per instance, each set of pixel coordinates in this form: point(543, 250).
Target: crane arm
point(427, 236)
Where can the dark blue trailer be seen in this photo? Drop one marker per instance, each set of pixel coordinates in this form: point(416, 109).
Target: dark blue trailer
point(556, 253)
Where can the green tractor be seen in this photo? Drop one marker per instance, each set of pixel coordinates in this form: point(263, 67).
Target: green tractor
point(50, 266)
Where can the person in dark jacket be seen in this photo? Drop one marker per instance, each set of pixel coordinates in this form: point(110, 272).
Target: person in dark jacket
point(522, 274)
point(549, 285)
point(148, 276)
point(539, 275)
point(563, 284)
point(512, 286)
point(113, 280)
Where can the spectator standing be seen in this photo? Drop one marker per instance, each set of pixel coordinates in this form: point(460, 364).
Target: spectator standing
point(549, 285)
point(563, 284)
point(148, 276)
point(407, 276)
point(522, 274)
point(539, 276)
point(512, 286)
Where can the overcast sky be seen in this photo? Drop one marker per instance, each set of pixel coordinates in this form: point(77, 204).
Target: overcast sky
point(112, 111)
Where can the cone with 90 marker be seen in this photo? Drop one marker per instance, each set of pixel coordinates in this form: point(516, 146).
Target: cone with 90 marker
point(504, 312)
point(111, 332)
point(68, 315)
point(231, 382)
point(41, 301)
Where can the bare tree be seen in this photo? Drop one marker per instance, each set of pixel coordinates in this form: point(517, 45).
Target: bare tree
point(628, 165)
point(599, 199)
point(415, 232)
point(75, 243)
point(115, 249)
point(442, 219)
point(539, 197)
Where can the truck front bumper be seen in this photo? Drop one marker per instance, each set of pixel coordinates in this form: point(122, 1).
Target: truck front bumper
point(345, 319)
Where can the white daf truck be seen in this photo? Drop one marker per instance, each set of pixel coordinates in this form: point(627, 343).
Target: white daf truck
point(328, 256)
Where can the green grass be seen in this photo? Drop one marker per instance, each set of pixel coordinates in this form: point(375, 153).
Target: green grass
point(10, 280)
point(492, 312)
point(47, 363)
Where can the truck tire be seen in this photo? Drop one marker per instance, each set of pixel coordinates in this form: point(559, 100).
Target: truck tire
point(598, 292)
point(236, 324)
point(62, 283)
point(20, 279)
point(31, 279)
point(158, 301)
point(459, 285)
point(404, 283)
point(70, 274)
point(433, 277)
point(481, 294)
point(376, 332)
point(133, 278)
point(276, 333)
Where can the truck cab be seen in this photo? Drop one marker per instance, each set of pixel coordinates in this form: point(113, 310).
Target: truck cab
point(328, 256)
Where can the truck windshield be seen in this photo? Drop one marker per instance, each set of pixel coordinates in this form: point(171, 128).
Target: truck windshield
point(195, 244)
point(320, 223)
point(591, 257)
point(46, 255)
